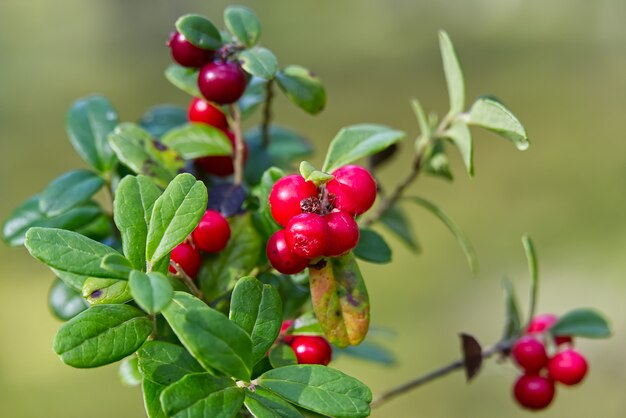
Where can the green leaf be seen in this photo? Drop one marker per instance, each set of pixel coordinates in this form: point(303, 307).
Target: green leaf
point(307, 324)
point(132, 209)
point(100, 229)
point(252, 97)
point(282, 355)
point(257, 309)
point(358, 141)
point(74, 281)
point(453, 72)
point(174, 215)
point(129, 372)
point(101, 335)
point(69, 251)
point(310, 173)
point(166, 363)
point(151, 291)
point(243, 23)
point(88, 122)
point(372, 247)
point(202, 395)
point(462, 239)
point(106, 291)
point(264, 404)
point(28, 215)
point(533, 268)
point(436, 161)
point(152, 398)
point(65, 302)
point(513, 323)
point(492, 115)
point(186, 79)
point(320, 389)
point(582, 322)
point(199, 31)
point(210, 337)
point(303, 88)
point(196, 140)
point(460, 135)
point(240, 256)
point(396, 221)
point(116, 264)
point(422, 120)
point(370, 352)
point(69, 190)
point(159, 119)
point(340, 300)
point(259, 62)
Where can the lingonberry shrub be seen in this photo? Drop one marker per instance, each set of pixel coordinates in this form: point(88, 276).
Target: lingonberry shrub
point(192, 277)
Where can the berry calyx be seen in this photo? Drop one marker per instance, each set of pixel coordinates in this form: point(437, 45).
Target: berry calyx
point(354, 189)
point(343, 233)
point(286, 195)
point(281, 257)
point(188, 258)
point(568, 367)
point(530, 354)
point(186, 54)
point(312, 349)
point(222, 165)
point(212, 233)
point(202, 111)
point(222, 82)
point(307, 235)
point(541, 323)
point(533, 392)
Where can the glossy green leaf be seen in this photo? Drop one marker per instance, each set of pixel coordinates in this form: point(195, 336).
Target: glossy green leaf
point(453, 72)
point(106, 291)
point(102, 335)
point(116, 264)
point(185, 79)
point(166, 363)
point(74, 281)
point(151, 291)
point(243, 23)
point(397, 222)
point(69, 251)
point(582, 322)
point(132, 208)
point(196, 140)
point(282, 355)
point(533, 268)
point(513, 322)
point(259, 62)
point(262, 403)
point(100, 229)
point(159, 119)
point(320, 389)
point(64, 301)
point(216, 342)
point(303, 88)
point(372, 247)
point(199, 31)
point(69, 190)
point(436, 161)
point(88, 122)
point(340, 300)
point(152, 398)
point(174, 215)
point(460, 136)
point(358, 141)
point(310, 173)
point(202, 395)
point(492, 115)
point(129, 371)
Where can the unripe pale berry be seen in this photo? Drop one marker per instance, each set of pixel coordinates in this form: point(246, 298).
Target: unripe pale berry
point(212, 233)
point(568, 367)
point(541, 323)
point(530, 354)
point(533, 391)
point(312, 349)
point(286, 195)
point(222, 82)
point(307, 235)
point(343, 233)
point(187, 258)
point(202, 111)
point(186, 54)
point(354, 189)
point(222, 165)
point(281, 257)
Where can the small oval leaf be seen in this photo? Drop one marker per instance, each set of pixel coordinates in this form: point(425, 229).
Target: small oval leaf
point(199, 31)
point(69, 190)
point(259, 62)
point(492, 115)
point(303, 88)
point(243, 23)
point(582, 322)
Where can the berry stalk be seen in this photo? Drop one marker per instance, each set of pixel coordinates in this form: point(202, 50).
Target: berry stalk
point(238, 161)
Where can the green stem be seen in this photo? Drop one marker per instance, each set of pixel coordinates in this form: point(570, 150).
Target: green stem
point(267, 113)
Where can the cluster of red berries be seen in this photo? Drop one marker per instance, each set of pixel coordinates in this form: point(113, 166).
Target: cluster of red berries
point(309, 349)
point(318, 222)
point(211, 236)
point(535, 388)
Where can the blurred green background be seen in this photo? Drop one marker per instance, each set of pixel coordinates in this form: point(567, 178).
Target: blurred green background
point(559, 65)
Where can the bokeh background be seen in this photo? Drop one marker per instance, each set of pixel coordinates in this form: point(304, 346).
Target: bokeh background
point(559, 65)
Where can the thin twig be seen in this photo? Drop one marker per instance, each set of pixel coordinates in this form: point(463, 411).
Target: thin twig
point(188, 281)
point(153, 335)
point(267, 113)
point(239, 146)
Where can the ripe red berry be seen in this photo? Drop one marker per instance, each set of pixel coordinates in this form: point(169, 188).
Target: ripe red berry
point(533, 392)
point(186, 54)
point(307, 235)
point(354, 189)
point(542, 323)
point(568, 367)
point(286, 196)
point(281, 257)
point(530, 354)
point(222, 165)
point(212, 233)
point(202, 111)
point(222, 82)
point(311, 349)
point(187, 258)
point(343, 233)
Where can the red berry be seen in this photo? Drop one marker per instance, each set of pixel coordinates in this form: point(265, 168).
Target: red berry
point(307, 235)
point(186, 54)
point(530, 354)
point(222, 165)
point(222, 82)
point(343, 233)
point(187, 258)
point(283, 331)
point(286, 196)
point(533, 392)
point(205, 112)
point(354, 189)
point(212, 233)
point(281, 257)
point(542, 323)
point(311, 349)
point(568, 367)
